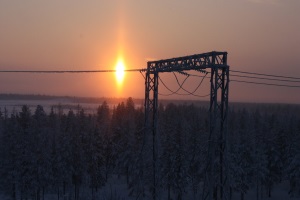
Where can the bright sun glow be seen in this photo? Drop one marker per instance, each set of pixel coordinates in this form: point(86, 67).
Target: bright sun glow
point(120, 71)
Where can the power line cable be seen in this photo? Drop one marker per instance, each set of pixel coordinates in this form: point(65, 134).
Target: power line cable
point(144, 69)
point(131, 70)
point(271, 84)
point(264, 78)
point(69, 71)
point(261, 78)
point(261, 74)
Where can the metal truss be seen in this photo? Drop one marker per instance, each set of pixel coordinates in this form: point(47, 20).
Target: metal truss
point(215, 183)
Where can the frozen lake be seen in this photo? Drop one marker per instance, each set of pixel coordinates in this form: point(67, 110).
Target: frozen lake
point(64, 104)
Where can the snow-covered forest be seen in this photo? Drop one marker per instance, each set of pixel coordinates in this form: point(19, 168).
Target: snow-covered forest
point(75, 155)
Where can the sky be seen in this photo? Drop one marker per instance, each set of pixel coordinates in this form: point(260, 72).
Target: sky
point(260, 36)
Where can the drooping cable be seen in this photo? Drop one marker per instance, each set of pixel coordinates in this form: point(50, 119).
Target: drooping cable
point(180, 87)
point(172, 92)
point(195, 88)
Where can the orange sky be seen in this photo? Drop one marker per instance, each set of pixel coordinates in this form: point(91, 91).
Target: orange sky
point(259, 36)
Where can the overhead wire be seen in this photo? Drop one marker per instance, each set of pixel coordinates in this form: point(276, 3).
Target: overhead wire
point(260, 76)
point(69, 71)
point(271, 84)
point(264, 78)
point(253, 77)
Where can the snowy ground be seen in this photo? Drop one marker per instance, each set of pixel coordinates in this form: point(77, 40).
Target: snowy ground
point(280, 192)
point(116, 189)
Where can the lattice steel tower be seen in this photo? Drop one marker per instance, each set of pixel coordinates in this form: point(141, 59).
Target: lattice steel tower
point(216, 179)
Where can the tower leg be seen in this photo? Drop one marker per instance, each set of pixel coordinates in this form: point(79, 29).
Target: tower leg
point(151, 107)
point(216, 177)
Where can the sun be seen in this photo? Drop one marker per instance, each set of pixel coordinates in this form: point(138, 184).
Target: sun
point(120, 71)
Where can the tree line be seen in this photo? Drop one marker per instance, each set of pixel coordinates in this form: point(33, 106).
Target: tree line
point(62, 153)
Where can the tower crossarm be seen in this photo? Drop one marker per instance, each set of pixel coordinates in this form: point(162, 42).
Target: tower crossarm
point(212, 59)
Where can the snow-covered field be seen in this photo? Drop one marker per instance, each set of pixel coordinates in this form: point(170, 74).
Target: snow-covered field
point(116, 189)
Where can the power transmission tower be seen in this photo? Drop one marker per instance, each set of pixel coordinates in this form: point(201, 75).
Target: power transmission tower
point(215, 183)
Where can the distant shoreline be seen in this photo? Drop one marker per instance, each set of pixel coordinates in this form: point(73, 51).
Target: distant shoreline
point(115, 100)
point(91, 100)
